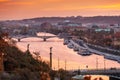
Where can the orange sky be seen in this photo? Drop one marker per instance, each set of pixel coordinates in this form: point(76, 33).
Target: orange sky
point(19, 9)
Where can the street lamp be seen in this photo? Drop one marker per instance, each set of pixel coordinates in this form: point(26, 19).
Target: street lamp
point(65, 64)
point(86, 66)
point(58, 63)
point(28, 52)
point(104, 64)
point(28, 46)
point(96, 63)
point(51, 57)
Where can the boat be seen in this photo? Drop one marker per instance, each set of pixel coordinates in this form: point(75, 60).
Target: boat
point(66, 42)
point(118, 60)
point(84, 52)
point(75, 48)
point(70, 45)
point(110, 57)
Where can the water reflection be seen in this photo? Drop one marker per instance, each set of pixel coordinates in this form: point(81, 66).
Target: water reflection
point(73, 60)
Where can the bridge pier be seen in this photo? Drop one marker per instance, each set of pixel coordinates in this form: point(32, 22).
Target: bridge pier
point(44, 39)
point(19, 40)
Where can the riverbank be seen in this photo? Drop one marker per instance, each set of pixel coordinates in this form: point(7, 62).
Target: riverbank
point(106, 52)
point(61, 53)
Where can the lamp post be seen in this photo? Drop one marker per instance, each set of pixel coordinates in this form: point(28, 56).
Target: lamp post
point(65, 64)
point(58, 64)
point(86, 66)
point(28, 52)
point(28, 47)
point(51, 57)
point(104, 64)
point(97, 63)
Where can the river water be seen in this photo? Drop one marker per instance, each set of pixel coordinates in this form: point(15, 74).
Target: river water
point(63, 55)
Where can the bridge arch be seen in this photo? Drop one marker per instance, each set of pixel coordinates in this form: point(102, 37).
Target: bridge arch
point(44, 37)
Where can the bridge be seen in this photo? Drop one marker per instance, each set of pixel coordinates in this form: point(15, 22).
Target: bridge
point(44, 37)
point(113, 72)
point(100, 71)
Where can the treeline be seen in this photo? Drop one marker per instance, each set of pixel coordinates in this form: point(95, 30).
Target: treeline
point(94, 19)
point(20, 65)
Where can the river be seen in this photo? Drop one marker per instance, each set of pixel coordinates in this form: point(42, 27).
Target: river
point(63, 55)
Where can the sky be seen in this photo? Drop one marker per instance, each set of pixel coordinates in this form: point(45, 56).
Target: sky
point(21, 9)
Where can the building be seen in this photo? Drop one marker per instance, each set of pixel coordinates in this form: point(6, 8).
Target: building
point(116, 39)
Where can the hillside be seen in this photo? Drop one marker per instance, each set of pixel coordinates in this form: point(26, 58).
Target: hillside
point(20, 65)
point(95, 19)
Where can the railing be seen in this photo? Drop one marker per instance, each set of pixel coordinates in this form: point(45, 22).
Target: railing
point(100, 71)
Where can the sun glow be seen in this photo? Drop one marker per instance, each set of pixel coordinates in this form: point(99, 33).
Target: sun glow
point(16, 9)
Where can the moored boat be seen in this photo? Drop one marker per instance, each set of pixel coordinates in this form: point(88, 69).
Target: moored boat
point(84, 52)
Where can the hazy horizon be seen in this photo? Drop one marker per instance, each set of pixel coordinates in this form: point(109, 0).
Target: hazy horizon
point(56, 17)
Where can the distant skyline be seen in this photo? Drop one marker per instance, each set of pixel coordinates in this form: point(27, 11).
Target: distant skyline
point(21, 9)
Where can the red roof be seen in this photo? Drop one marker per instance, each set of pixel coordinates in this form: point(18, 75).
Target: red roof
point(117, 35)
